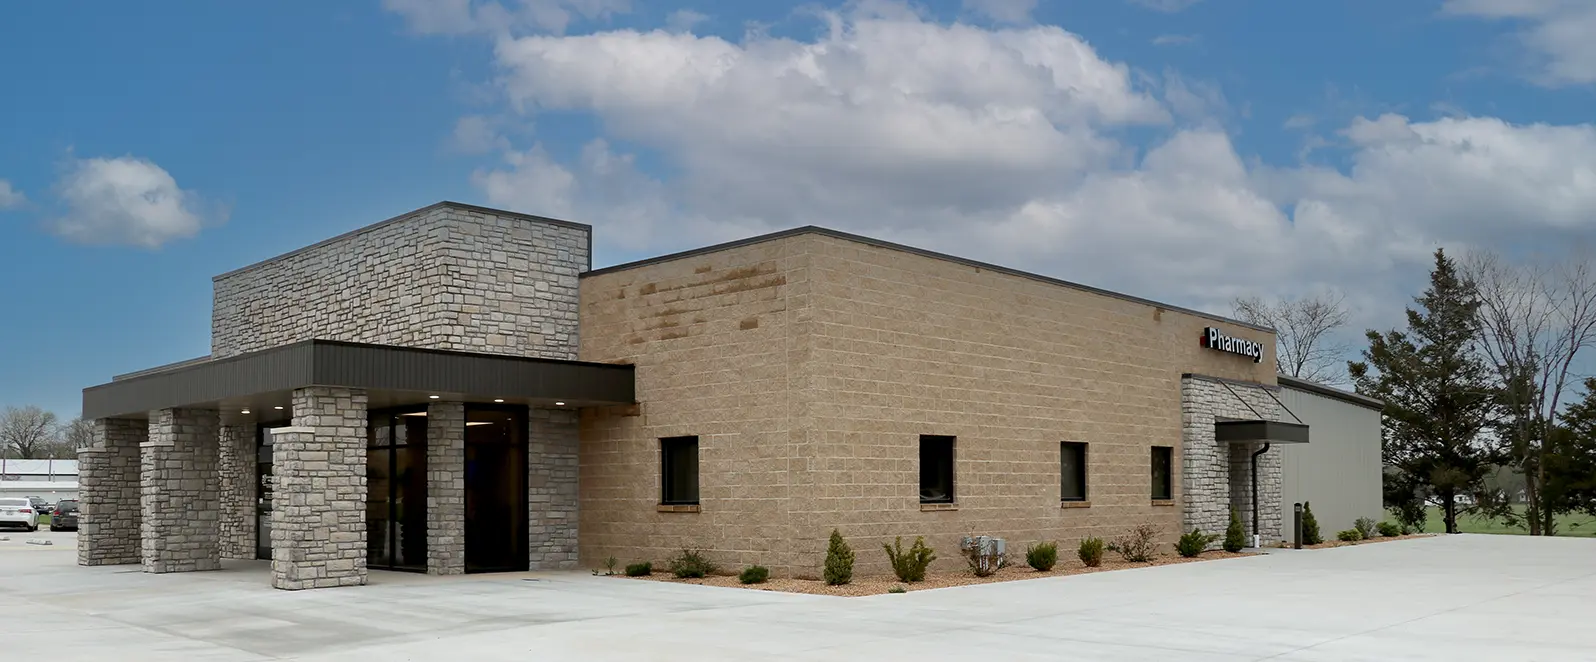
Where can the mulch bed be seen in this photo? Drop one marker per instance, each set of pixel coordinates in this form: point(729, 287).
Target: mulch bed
point(1342, 543)
point(879, 584)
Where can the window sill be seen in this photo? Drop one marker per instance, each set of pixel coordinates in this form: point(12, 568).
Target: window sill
point(1075, 504)
point(935, 507)
point(678, 508)
point(1163, 502)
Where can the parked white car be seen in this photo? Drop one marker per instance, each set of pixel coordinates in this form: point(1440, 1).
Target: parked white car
point(18, 512)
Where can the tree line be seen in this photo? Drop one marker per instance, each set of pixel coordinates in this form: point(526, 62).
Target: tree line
point(31, 433)
point(1486, 411)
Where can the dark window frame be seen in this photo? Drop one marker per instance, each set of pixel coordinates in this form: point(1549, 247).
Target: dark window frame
point(1168, 487)
point(668, 490)
point(1080, 472)
point(952, 468)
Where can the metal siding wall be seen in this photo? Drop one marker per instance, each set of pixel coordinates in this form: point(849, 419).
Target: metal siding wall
point(1339, 470)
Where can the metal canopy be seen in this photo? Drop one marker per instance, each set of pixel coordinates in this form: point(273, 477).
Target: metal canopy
point(1259, 432)
point(390, 374)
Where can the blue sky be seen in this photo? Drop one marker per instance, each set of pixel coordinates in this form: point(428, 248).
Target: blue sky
point(1317, 145)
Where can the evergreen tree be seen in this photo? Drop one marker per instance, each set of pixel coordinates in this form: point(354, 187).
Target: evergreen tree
point(1570, 460)
point(839, 560)
point(1235, 536)
point(1438, 393)
point(1310, 526)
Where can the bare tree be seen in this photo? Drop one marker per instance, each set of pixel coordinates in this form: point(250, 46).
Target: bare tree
point(77, 434)
point(27, 431)
point(1534, 320)
point(1304, 347)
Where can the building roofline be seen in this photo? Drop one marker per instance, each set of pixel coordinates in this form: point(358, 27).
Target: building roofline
point(412, 214)
point(1330, 392)
point(837, 234)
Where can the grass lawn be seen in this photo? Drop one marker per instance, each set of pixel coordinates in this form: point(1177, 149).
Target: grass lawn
point(1567, 525)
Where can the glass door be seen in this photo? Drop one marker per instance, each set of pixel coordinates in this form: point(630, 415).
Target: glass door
point(396, 491)
point(263, 489)
point(495, 489)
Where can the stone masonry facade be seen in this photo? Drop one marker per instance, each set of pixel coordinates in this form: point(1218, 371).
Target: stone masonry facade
point(449, 277)
point(179, 494)
point(445, 488)
point(108, 493)
point(553, 490)
point(319, 504)
point(236, 466)
point(1216, 477)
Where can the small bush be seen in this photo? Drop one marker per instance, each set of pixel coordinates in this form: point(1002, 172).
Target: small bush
point(839, 560)
point(754, 574)
point(1310, 526)
point(897, 589)
point(1042, 556)
point(1091, 551)
point(909, 566)
point(1389, 529)
point(1349, 535)
point(691, 564)
point(643, 569)
point(1235, 536)
point(1194, 543)
point(1365, 527)
point(1137, 544)
point(609, 565)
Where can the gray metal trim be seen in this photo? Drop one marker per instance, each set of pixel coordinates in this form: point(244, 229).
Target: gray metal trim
point(1331, 392)
point(837, 234)
point(412, 214)
point(358, 365)
point(1274, 432)
point(162, 368)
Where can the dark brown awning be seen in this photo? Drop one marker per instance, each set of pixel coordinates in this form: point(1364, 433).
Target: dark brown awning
point(391, 376)
point(1273, 432)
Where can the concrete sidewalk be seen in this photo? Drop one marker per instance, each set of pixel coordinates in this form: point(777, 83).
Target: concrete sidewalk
point(1449, 598)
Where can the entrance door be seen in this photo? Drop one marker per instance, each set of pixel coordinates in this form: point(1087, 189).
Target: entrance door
point(396, 491)
point(263, 490)
point(495, 489)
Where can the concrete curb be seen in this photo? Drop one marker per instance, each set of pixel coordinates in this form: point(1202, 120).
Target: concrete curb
point(40, 541)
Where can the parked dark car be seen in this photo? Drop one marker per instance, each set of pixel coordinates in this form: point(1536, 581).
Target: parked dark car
point(65, 516)
point(40, 505)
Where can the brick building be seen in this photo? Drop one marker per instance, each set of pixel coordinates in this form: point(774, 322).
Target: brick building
point(457, 390)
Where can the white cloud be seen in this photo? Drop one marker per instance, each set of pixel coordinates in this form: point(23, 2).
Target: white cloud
point(476, 134)
point(1003, 11)
point(1299, 121)
point(1558, 32)
point(1003, 145)
point(10, 197)
point(684, 20)
point(1169, 6)
point(129, 201)
point(1174, 39)
point(492, 17)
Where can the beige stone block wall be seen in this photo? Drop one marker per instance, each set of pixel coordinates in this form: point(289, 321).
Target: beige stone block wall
point(811, 419)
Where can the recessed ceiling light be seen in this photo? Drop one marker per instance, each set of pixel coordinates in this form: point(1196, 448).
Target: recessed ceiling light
point(559, 404)
point(473, 424)
point(246, 411)
point(414, 413)
point(498, 399)
point(278, 408)
point(434, 397)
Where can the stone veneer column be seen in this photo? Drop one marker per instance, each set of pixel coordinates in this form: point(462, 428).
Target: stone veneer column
point(552, 445)
point(1214, 477)
point(108, 493)
point(236, 464)
point(319, 499)
point(446, 488)
point(179, 492)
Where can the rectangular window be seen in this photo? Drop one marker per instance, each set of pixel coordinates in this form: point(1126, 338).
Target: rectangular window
point(1163, 468)
point(1072, 471)
point(679, 471)
point(936, 469)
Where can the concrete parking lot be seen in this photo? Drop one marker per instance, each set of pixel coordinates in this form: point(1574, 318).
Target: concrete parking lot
point(1449, 598)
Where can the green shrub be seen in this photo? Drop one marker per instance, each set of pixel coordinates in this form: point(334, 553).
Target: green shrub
point(691, 564)
point(609, 565)
point(1390, 529)
point(1091, 551)
point(897, 589)
point(1365, 527)
point(643, 569)
point(1235, 536)
point(1310, 526)
point(1194, 543)
point(1137, 544)
point(909, 566)
point(1349, 535)
point(1042, 556)
point(984, 558)
point(839, 561)
point(754, 574)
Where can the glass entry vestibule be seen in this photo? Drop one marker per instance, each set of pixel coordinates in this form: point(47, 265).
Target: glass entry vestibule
point(396, 490)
